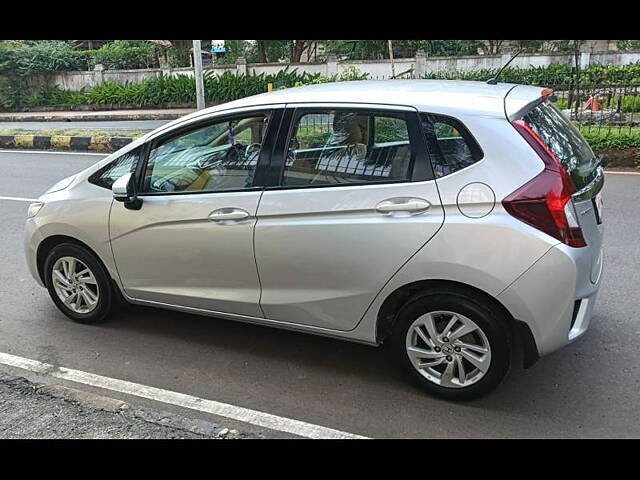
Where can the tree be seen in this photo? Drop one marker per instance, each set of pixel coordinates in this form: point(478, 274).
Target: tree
point(358, 49)
point(491, 47)
point(297, 49)
point(262, 50)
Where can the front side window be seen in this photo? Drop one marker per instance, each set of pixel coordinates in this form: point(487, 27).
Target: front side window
point(218, 157)
point(451, 146)
point(117, 168)
point(337, 147)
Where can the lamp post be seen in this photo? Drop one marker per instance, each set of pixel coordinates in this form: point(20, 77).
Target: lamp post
point(197, 71)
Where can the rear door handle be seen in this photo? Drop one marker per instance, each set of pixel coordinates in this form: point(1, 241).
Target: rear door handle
point(403, 204)
point(228, 214)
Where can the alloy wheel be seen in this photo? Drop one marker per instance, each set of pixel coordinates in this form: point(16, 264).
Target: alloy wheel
point(448, 349)
point(75, 285)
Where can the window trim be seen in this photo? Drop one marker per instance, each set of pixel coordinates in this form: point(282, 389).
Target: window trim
point(106, 166)
point(274, 116)
point(420, 169)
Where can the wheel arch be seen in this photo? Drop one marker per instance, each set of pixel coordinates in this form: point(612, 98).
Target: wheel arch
point(388, 311)
point(53, 241)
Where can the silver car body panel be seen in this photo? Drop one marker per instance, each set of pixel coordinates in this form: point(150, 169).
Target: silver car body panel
point(170, 252)
point(324, 253)
point(80, 211)
point(534, 276)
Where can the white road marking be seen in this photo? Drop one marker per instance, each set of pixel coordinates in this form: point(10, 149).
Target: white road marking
point(19, 199)
point(622, 173)
point(47, 152)
point(254, 417)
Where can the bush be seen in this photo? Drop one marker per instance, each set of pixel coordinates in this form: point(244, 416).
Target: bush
point(126, 54)
point(348, 74)
point(25, 58)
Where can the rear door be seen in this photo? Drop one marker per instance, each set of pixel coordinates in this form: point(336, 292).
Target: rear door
point(351, 199)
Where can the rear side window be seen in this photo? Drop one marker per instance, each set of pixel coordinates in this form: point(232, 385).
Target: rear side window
point(451, 146)
point(117, 168)
point(565, 140)
point(342, 147)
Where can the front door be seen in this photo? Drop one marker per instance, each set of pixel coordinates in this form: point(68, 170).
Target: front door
point(355, 199)
point(191, 243)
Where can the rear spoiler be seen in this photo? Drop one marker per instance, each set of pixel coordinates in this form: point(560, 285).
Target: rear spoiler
point(522, 98)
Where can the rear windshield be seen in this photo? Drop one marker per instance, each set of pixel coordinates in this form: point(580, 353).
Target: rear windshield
point(565, 140)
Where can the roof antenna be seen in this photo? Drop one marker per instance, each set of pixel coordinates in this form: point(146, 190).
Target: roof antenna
point(494, 80)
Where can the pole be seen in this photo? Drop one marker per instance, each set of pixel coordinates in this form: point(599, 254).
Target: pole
point(393, 65)
point(197, 71)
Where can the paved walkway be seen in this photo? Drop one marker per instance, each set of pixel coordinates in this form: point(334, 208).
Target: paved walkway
point(109, 115)
point(84, 125)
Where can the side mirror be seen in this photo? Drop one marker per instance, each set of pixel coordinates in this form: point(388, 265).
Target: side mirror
point(124, 190)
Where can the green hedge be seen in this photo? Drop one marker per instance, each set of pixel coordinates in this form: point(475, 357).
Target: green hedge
point(166, 89)
point(551, 75)
point(614, 138)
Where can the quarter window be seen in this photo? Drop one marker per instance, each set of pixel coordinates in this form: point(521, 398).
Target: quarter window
point(451, 146)
point(117, 168)
point(337, 147)
point(218, 157)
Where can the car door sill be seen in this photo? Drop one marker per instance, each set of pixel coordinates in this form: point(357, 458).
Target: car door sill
point(326, 332)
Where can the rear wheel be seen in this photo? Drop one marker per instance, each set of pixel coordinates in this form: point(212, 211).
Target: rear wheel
point(78, 283)
point(454, 345)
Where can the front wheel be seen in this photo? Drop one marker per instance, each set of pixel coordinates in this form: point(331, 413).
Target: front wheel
point(78, 283)
point(454, 345)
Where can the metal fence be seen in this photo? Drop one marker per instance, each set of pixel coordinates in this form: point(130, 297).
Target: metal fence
point(601, 107)
point(594, 104)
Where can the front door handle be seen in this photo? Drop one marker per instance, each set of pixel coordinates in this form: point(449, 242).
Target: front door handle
point(403, 204)
point(228, 214)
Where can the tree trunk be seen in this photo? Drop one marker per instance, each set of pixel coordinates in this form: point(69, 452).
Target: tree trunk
point(299, 47)
point(262, 51)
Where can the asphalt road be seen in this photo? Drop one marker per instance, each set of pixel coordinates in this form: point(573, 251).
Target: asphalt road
point(88, 125)
point(588, 389)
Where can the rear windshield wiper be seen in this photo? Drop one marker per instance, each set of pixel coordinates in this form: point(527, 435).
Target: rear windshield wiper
point(602, 161)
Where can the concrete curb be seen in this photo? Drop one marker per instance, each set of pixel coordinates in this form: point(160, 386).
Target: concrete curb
point(64, 142)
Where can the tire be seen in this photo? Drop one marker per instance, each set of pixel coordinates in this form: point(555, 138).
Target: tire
point(436, 364)
point(95, 286)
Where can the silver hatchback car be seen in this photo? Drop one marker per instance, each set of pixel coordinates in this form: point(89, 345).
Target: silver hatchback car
point(445, 218)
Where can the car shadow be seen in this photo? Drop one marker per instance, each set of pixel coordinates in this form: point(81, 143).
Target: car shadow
point(331, 359)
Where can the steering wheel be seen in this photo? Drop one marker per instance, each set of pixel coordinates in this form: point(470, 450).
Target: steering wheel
point(252, 150)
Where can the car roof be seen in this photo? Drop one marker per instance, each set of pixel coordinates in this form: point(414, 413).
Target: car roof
point(448, 97)
point(421, 94)
point(453, 97)
point(414, 93)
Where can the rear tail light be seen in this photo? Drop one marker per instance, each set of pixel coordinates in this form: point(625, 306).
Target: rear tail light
point(545, 201)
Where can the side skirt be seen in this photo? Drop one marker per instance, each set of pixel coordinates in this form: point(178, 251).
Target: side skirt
point(324, 332)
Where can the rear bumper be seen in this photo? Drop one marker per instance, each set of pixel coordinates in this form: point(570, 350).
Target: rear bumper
point(556, 296)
